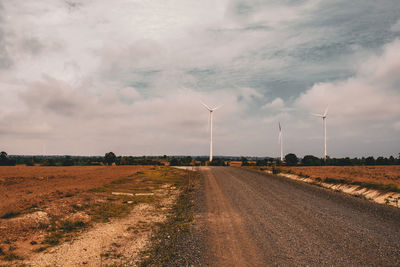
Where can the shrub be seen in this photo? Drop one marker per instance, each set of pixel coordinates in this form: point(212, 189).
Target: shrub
point(10, 214)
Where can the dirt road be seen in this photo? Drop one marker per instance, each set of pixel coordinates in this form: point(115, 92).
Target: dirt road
point(256, 219)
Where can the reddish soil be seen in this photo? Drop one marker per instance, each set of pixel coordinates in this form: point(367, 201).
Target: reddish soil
point(44, 195)
point(22, 187)
point(371, 174)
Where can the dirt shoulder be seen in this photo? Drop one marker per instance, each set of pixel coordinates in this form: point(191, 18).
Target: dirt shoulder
point(179, 241)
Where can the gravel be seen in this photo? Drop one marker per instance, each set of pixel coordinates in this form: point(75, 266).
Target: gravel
point(249, 218)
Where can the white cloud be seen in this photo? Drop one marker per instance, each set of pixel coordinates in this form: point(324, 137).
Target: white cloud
point(276, 104)
point(371, 95)
point(362, 107)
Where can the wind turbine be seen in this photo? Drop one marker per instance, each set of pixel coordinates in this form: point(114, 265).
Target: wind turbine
point(281, 140)
point(210, 124)
point(323, 116)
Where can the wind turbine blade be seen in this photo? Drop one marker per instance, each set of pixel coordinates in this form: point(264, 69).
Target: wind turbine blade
point(318, 115)
point(326, 111)
point(280, 128)
point(207, 107)
point(216, 107)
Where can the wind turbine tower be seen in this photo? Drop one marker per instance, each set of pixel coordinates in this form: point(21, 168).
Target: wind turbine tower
point(210, 123)
point(323, 116)
point(281, 140)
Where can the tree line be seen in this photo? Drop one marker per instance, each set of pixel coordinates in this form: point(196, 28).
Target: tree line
point(110, 159)
point(309, 160)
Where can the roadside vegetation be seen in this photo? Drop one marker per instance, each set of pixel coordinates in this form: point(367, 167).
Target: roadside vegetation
point(169, 236)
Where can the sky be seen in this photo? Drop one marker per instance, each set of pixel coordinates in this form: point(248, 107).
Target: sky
point(92, 76)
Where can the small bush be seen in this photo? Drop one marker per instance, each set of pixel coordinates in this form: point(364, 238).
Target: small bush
point(109, 210)
point(69, 226)
point(54, 238)
point(12, 257)
point(276, 170)
point(10, 214)
point(335, 181)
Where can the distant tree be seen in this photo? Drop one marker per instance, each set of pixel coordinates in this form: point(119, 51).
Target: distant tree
point(49, 162)
point(174, 162)
point(310, 160)
point(29, 162)
point(186, 160)
point(118, 160)
point(381, 161)
point(3, 156)
point(217, 162)
point(291, 159)
point(244, 161)
point(67, 161)
point(262, 162)
point(5, 160)
point(370, 161)
point(125, 160)
point(109, 158)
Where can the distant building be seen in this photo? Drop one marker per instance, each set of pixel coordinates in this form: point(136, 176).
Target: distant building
point(235, 163)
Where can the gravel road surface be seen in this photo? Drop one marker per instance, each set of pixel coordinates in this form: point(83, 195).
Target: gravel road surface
point(255, 219)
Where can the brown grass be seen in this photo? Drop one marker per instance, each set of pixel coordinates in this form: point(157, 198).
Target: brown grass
point(388, 176)
point(43, 206)
point(22, 187)
point(64, 201)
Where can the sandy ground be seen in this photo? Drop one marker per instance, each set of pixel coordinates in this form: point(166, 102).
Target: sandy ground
point(117, 242)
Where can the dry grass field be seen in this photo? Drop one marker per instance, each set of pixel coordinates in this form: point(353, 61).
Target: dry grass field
point(42, 207)
point(387, 176)
point(24, 186)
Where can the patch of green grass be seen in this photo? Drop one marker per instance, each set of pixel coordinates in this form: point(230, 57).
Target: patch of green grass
point(11, 256)
point(41, 249)
point(336, 181)
point(105, 211)
point(10, 214)
point(43, 226)
point(100, 189)
point(69, 226)
point(53, 238)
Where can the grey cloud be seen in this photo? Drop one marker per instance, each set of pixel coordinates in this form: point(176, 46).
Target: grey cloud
point(55, 97)
point(120, 75)
point(5, 59)
point(32, 46)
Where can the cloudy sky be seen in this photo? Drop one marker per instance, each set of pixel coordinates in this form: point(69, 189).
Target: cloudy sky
point(91, 76)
